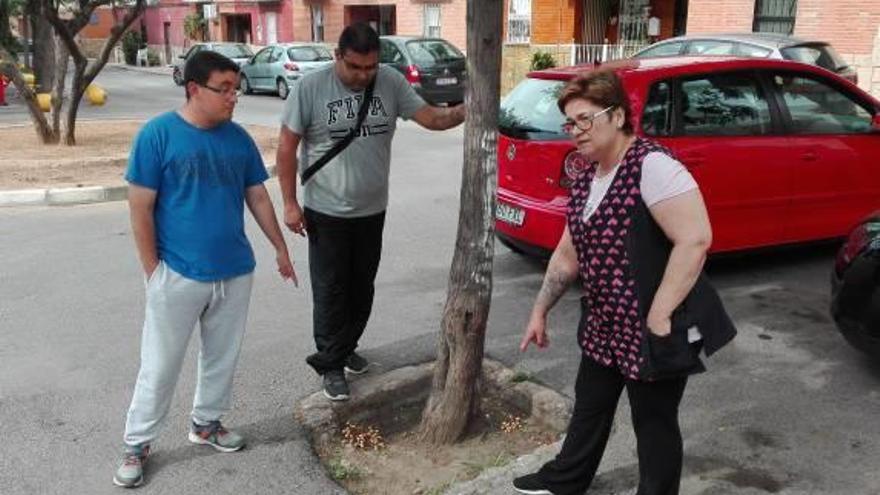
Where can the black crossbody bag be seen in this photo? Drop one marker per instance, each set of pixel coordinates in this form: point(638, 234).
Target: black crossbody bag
point(344, 142)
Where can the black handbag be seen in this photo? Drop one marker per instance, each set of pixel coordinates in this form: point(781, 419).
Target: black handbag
point(344, 142)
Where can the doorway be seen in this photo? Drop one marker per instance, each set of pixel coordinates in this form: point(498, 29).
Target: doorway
point(238, 28)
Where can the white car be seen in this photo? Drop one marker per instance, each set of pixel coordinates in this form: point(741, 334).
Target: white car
point(760, 45)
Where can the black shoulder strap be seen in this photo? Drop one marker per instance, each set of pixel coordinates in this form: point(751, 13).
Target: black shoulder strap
point(344, 142)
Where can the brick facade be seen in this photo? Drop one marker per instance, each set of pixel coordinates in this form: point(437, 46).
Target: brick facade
point(852, 27)
point(553, 21)
point(720, 16)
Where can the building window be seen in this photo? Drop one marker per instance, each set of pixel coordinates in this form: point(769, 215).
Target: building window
point(317, 22)
point(774, 16)
point(432, 20)
point(519, 21)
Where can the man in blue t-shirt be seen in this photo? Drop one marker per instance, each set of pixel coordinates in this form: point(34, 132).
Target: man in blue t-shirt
point(191, 172)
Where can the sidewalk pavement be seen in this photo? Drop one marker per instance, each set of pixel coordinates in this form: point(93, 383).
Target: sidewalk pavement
point(60, 196)
point(163, 70)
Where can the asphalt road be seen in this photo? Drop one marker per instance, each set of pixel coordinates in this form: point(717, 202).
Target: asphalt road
point(787, 408)
point(141, 95)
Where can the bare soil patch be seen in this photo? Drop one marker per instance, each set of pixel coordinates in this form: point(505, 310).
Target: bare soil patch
point(403, 465)
point(98, 159)
point(370, 444)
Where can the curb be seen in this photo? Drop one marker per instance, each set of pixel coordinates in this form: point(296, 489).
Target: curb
point(157, 70)
point(63, 196)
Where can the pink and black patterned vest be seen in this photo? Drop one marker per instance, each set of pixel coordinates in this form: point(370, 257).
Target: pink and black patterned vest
point(612, 330)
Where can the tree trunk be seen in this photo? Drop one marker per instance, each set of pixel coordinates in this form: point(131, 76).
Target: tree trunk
point(84, 73)
point(11, 71)
point(62, 59)
point(77, 89)
point(44, 53)
point(455, 397)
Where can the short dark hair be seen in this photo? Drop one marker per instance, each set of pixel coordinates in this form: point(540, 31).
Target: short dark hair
point(359, 37)
point(199, 67)
point(602, 88)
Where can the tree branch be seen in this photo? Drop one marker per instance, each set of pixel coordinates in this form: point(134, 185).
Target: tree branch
point(116, 32)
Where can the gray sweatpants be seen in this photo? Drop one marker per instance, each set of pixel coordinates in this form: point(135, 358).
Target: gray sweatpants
point(174, 304)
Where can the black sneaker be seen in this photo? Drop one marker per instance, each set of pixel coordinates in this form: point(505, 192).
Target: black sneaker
point(356, 364)
point(335, 385)
point(531, 484)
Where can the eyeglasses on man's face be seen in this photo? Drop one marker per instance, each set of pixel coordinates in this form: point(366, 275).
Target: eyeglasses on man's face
point(228, 92)
point(583, 122)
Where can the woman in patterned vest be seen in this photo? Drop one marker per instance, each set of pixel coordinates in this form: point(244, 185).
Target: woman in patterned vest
point(636, 236)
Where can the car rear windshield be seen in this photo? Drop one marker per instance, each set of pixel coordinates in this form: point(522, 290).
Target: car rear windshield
point(234, 51)
point(308, 54)
point(530, 111)
point(432, 52)
point(822, 55)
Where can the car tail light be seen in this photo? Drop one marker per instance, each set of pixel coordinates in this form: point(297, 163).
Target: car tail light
point(572, 168)
point(291, 66)
point(856, 243)
point(412, 74)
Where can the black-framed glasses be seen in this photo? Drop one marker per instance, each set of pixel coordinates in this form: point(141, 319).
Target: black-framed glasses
point(227, 92)
point(583, 123)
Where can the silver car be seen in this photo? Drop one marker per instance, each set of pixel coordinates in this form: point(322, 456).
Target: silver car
point(760, 45)
point(276, 67)
point(238, 52)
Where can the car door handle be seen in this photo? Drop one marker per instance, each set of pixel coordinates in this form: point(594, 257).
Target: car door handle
point(810, 156)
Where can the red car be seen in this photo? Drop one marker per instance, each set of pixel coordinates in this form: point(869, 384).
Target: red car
point(783, 152)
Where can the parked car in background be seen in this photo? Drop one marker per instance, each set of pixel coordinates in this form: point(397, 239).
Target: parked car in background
point(784, 152)
point(239, 52)
point(855, 287)
point(761, 45)
point(434, 67)
point(276, 67)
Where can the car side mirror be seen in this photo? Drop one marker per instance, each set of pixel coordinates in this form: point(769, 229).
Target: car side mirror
point(875, 122)
point(181, 56)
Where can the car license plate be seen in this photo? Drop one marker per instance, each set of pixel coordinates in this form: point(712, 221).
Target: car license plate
point(510, 214)
point(446, 81)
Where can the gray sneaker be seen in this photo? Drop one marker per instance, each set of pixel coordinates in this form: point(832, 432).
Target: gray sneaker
point(356, 364)
point(215, 435)
point(335, 385)
point(131, 472)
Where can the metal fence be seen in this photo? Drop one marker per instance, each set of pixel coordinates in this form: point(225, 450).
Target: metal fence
point(591, 54)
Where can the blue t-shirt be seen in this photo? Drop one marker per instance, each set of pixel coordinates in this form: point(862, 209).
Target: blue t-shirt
point(200, 176)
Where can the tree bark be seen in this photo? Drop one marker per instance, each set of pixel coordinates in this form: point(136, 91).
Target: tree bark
point(44, 54)
point(77, 88)
point(9, 68)
point(62, 59)
point(85, 72)
point(455, 397)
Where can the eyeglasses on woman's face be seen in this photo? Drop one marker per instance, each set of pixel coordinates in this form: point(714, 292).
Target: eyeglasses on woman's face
point(583, 122)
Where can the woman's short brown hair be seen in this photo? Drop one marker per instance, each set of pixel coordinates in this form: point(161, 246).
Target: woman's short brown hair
point(602, 88)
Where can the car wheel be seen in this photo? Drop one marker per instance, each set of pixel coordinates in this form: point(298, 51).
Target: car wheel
point(283, 89)
point(177, 76)
point(245, 85)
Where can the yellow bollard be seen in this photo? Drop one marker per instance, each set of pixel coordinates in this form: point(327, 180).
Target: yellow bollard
point(29, 79)
point(44, 101)
point(96, 95)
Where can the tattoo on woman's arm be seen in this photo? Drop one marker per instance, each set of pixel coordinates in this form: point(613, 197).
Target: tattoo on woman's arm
point(555, 284)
